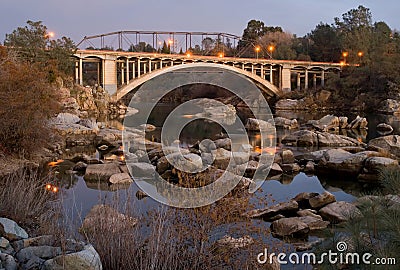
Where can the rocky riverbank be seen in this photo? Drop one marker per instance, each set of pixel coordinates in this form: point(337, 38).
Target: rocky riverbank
point(47, 252)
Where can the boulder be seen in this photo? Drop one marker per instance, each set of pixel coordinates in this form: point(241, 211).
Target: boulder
point(223, 143)
point(358, 123)
point(289, 105)
point(376, 164)
point(269, 212)
point(66, 118)
point(87, 259)
point(308, 213)
point(322, 200)
point(384, 128)
point(120, 178)
point(286, 123)
point(301, 138)
point(101, 172)
point(337, 212)
point(105, 218)
point(292, 227)
point(10, 230)
point(142, 169)
point(8, 262)
point(275, 170)
point(326, 123)
point(388, 144)
point(189, 162)
point(303, 198)
point(341, 161)
point(310, 167)
point(390, 106)
point(291, 168)
point(235, 243)
point(258, 124)
point(80, 166)
point(328, 139)
point(314, 223)
point(287, 157)
point(343, 122)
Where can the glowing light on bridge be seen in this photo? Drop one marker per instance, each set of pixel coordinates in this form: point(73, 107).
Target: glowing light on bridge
point(257, 50)
point(271, 49)
point(220, 55)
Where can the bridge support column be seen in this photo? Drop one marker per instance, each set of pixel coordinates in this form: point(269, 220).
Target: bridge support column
point(144, 68)
point(262, 72)
point(149, 65)
point(160, 63)
point(110, 74)
point(323, 78)
point(76, 72)
point(122, 73)
point(138, 68)
point(252, 69)
point(286, 79)
point(298, 81)
point(127, 71)
point(80, 71)
point(315, 81)
point(271, 78)
point(306, 80)
point(133, 70)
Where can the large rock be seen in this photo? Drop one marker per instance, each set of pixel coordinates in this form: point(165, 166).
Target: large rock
point(303, 198)
point(258, 124)
point(142, 169)
point(87, 259)
point(235, 243)
point(101, 172)
point(66, 118)
point(120, 178)
point(341, 161)
point(328, 122)
point(287, 157)
point(301, 138)
point(286, 123)
point(10, 230)
point(289, 105)
point(293, 227)
point(269, 212)
point(328, 139)
point(388, 144)
point(358, 123)
point(391, 106)
point(105, 218)
point(8, 262)
point(384, 128)
point(376, 164)
point(322, 200)
point(314, 223)
point(339, 212)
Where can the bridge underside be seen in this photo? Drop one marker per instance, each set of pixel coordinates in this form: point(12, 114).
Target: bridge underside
point(201, 73)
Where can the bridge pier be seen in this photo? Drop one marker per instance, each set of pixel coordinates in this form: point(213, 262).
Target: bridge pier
point(286, 82)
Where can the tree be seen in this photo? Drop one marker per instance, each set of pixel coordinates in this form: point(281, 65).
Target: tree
point(33, 43)
point(27, 101)
point(282, 43)
point(165, 48)
point(324, 44)
point(355, 30)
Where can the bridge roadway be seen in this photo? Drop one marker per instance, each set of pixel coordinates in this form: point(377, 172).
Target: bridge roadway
point(120, 72)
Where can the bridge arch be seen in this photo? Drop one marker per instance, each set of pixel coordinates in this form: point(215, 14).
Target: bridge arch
point(264, 85)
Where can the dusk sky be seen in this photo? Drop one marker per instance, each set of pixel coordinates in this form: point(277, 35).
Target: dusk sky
point(76, 19)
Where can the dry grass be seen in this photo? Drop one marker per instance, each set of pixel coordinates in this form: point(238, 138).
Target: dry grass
point(25, 200)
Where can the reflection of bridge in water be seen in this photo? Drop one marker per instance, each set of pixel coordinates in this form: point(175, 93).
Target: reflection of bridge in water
point(119, 72)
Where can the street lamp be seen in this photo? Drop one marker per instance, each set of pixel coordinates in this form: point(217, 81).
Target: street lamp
point(257, 50)
point(220, 55)
point(345, 54)
point(360, 54)
point(271, 48)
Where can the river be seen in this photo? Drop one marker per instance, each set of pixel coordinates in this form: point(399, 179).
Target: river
point(78, 197)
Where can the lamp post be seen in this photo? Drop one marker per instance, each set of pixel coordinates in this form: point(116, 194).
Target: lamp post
point(345, 54)
point(257, 50)
point(360, 54)
point(271, 48)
